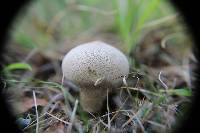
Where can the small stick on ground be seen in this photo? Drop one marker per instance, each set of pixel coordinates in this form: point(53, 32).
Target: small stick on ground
point(35, 103)
point(108, 113)
point(58, 118)
point(159, 77)
point(72, 117)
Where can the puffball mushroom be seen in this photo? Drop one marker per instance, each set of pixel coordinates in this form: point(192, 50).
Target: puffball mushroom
point(95, 67)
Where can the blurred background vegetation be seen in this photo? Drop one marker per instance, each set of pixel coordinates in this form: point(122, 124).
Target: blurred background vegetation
point(49, 23)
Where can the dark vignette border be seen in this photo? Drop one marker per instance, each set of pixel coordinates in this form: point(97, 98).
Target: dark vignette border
point(8, 10)
point(191, 13)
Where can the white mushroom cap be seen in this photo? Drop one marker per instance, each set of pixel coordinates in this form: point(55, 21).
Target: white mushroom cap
point(95, 67)
point(89, 62)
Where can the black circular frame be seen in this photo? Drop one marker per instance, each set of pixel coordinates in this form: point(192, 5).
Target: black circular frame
point(190, 11)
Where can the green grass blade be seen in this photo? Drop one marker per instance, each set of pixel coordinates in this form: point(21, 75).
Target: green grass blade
point(143, 16)
point(179, 92)
point(17, 66)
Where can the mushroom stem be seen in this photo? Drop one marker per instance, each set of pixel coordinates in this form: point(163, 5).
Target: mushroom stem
point(92, 99)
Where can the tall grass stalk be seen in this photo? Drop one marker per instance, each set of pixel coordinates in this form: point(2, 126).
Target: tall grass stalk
point(131, 16)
